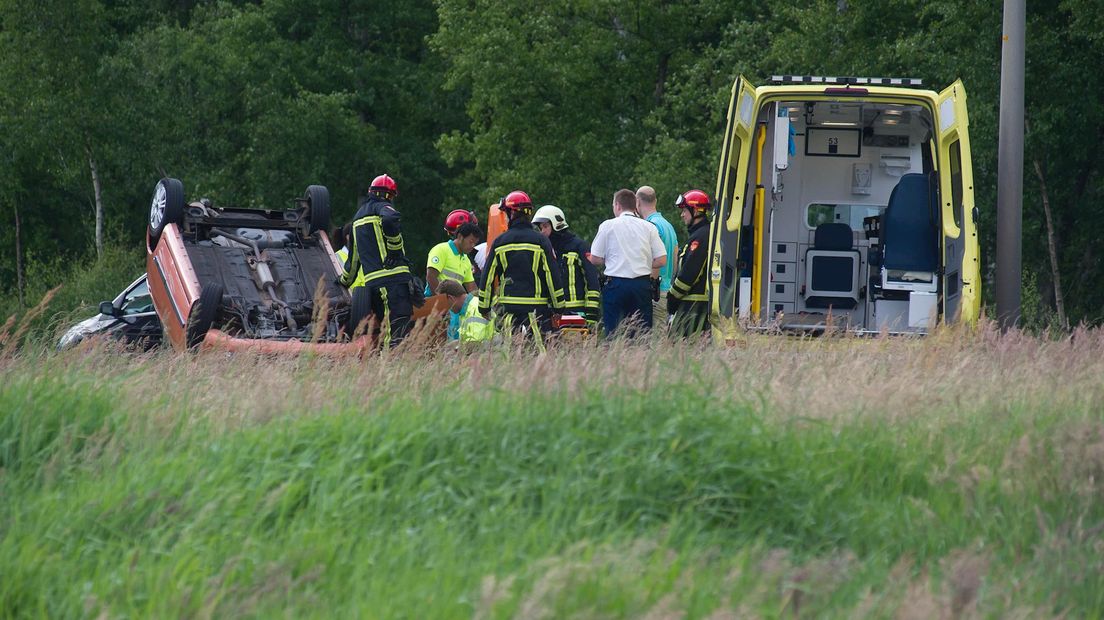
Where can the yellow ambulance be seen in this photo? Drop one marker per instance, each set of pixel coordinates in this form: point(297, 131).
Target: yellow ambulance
point(845, 202)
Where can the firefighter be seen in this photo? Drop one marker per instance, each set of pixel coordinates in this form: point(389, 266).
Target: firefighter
point(377, 254)
point(687, 301)
point(451, 260)
point(578, 275)
point(520, 279)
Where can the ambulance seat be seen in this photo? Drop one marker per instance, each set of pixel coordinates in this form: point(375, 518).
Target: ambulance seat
point(910, 238)
point(832, 269)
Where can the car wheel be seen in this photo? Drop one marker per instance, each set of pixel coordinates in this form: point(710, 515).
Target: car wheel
point(359, 309)
point(318, 197)
point(203, 315)
point(167, 207)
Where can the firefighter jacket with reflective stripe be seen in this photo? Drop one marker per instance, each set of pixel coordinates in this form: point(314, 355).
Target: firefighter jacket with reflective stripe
point(580, 277)
point(520, 274)
point(473, 327)
point(689, 284)
point(377, 251)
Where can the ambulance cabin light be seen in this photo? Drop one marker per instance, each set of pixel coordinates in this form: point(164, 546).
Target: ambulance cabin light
point(845, 81)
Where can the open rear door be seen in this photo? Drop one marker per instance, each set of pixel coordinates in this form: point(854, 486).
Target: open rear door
point(728, 213)
point(960, 268)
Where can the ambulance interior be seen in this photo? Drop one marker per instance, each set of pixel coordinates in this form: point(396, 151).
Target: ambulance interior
point(850, 225)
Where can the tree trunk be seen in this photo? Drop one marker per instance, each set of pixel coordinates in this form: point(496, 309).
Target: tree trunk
point(19, 280)
point(98, 191)
point(661, 79)
point(1052, 246)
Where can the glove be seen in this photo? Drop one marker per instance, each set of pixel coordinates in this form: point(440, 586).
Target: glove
point(417, 293)
point(340, 281)
point(672, 305)
point(655, 289)
point(396, 259)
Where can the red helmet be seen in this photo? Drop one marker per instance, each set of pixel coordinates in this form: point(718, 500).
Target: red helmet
point(694, 199)
point(457, 218)
point(516, 200)
point(384, 183)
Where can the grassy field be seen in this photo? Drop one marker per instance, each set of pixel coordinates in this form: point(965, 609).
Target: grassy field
point(957, 476)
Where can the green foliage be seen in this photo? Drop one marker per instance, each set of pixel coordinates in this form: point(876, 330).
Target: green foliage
point(84, 286)
point(462, 101)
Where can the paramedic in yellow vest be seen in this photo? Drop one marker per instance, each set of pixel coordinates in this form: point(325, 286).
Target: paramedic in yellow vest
point(466, 324)
point(687, 300)
point(449, 260)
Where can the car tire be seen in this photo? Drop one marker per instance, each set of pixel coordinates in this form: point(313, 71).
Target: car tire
point(167, 207)
point(359, 309)
point(203, 315)
point(318, 199)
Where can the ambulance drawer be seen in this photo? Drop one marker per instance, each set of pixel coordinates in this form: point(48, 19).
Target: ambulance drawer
point(784, 272)
point(783, 291)
point(783, 251)
point(783, 307)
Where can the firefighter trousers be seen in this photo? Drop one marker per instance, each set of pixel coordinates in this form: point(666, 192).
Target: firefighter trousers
point(392, 306)
point(691, 319)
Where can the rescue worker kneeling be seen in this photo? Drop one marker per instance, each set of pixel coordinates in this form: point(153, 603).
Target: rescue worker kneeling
point(466, 324)
point(578, 275)
point(687, 301)
point(520, 279)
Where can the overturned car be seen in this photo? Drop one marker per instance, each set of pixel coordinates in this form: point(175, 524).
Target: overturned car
point(237, 278)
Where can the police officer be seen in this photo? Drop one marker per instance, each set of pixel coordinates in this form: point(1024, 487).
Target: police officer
point(579, 276)
point(520, 279)
point(385, 268)
point(687, 300)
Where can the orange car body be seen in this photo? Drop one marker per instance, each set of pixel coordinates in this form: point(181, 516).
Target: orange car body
point(175, 288)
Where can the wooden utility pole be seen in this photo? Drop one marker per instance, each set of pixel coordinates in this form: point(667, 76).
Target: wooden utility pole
point(1010, 166)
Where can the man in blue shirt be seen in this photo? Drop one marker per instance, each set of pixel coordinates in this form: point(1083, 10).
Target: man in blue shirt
point(646, 206)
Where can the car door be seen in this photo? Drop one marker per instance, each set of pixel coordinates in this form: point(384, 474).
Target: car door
point(960, 268)
point(138, 319)
point(728, 210)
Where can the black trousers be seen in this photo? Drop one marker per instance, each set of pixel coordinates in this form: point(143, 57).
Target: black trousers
point(536, 319)
point(392, 306)
point(691, 319)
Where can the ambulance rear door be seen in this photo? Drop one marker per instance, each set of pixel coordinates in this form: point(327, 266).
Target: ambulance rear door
point(960, 268)
point(728, 210)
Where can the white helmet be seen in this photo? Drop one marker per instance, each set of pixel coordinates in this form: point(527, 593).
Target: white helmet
point(551, 214)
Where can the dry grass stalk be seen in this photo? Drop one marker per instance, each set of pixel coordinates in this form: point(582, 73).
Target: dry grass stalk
point(5, 330)
point(321, 311)
point(10, 344)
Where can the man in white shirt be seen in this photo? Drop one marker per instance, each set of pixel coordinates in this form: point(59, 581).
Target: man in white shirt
point(632, 253)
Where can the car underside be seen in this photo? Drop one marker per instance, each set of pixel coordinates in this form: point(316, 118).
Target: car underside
point(274, 280)
point(238, 275)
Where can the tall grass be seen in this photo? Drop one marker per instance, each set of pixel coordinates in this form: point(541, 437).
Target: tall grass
point(60, 294)
point(957, 475)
